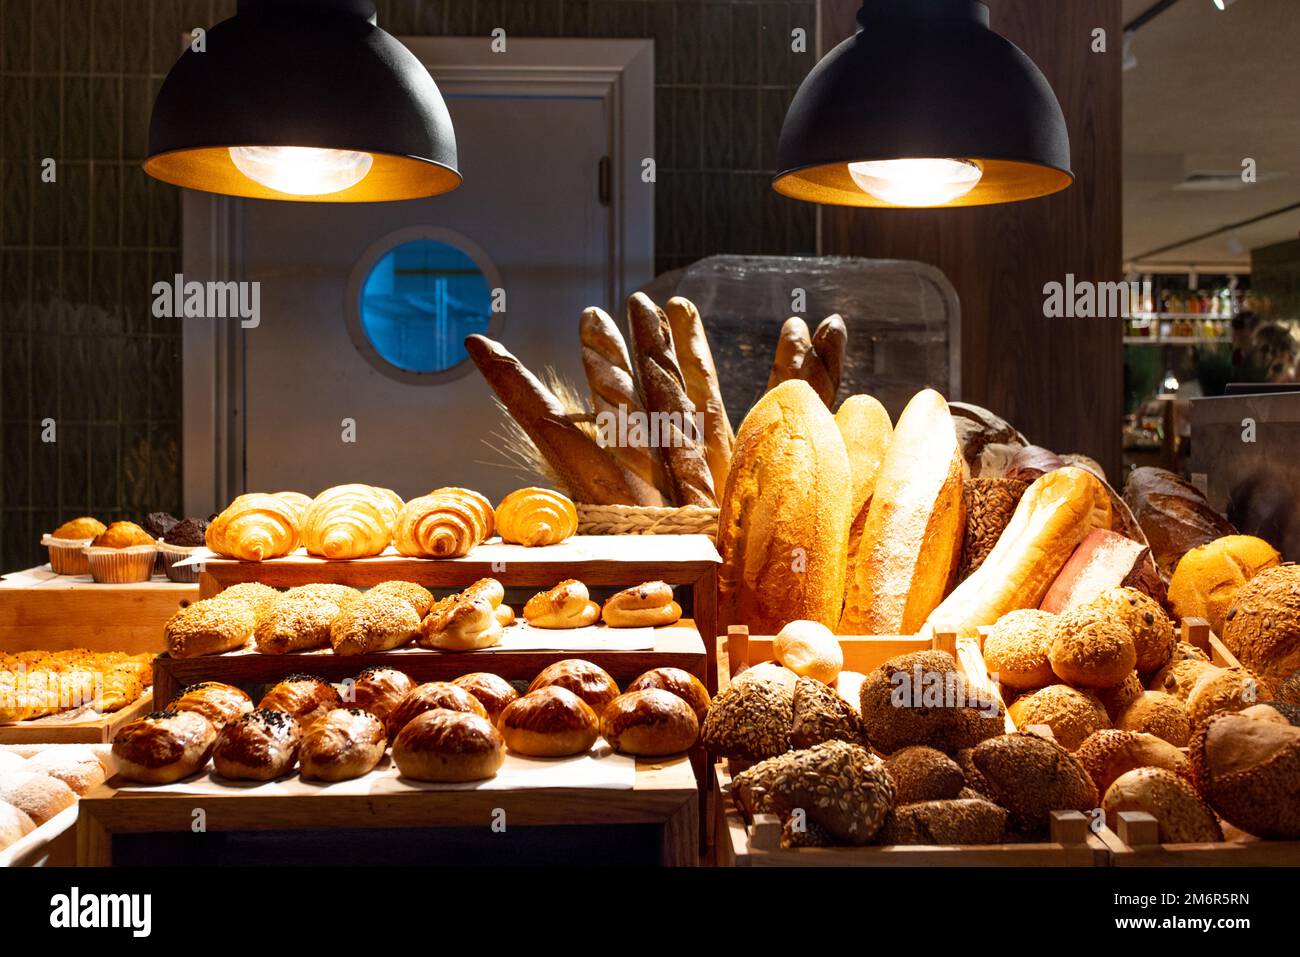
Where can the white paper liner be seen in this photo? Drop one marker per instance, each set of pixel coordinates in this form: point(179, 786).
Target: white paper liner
point(521, 636)
point(600, 768)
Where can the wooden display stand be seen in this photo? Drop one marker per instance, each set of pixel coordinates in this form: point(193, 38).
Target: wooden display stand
point(42, 611)
point(664, 795)
point(100, 729)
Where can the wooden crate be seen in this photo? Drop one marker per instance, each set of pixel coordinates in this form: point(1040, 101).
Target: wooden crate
point(664, 795)
point(99, 730)
point(596, 560)
point(40, 610)
point(1135, 842)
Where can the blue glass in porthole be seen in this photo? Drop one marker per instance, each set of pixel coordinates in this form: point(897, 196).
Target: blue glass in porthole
point(420, 301)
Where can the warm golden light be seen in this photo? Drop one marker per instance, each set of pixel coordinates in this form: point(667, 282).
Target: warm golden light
point(301, 170)
point(916, 182)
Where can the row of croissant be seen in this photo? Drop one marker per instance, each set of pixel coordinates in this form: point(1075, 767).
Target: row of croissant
point(360, 521)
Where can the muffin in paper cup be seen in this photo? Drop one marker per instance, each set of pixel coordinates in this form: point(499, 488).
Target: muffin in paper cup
point(169, 555)
point(119, 566)
point(67, 555)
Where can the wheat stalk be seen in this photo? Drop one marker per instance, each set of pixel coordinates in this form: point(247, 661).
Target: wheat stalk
point(516, 451)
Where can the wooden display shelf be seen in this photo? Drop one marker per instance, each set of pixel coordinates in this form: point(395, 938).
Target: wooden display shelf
point(664, 795)
point(595, 560)
point(99, 730)
point(40, 610)
point(1135, 842)
point(676, 646)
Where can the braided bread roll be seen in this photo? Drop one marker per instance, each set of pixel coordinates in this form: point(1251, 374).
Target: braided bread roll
point(442, 525)
point(350, 521)
point(480, 504)
point(536, 516)
point(253, 528)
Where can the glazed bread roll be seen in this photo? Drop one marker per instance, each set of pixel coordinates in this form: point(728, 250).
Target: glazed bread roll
point(440, 525)
point(224, 622)
point(38, 796)
point(567, 605)
point(589, 682)
point(417, 596)
point(649, 722)
point(695, 359)
point(350, 521)
point(1055, 514)
point(484, 517)
point(254, 527)
point(373, 622)
point(431, 696)
point(679, 682)
point(613, 395)
point(261, 746)
point(219, 703)
point(488, 589)
point(650, 604)
point(784, 524)
point(449, 746)
point(585, 470)
point(664, 386)
point(164, 746)
point(809, 648)
point(461, 624)
point(344, 743)
point(493, 692)
point(911, 539)
point(536, 516)
point(379, 690)
point(549, 722)
point(865, 427)
point(305, 697)
point(300, 618)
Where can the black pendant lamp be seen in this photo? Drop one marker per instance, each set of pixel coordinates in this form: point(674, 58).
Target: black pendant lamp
point(924, 106)
point(304, 100)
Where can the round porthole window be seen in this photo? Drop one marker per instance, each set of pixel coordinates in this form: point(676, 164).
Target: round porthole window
point(416, 295)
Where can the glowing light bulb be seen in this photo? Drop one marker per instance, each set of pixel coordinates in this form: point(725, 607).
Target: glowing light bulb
point(302, 170)
point(1170, 384)
point(916, 182)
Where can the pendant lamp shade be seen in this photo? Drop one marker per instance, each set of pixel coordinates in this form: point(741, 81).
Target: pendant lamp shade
point(304, 100)
point(923, 106)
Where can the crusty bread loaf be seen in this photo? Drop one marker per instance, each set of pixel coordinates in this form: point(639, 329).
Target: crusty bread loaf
point(911, 541)
point(784, 525)
point(865, 427)
point(801, 355)
point(681, 436)
point(613, 388)
point(588, 472)
point(696, 362)
point(1053, 517)
point(1173, 513)
point(1207, 578)
point(831, 342)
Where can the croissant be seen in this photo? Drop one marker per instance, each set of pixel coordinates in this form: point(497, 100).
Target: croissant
point(536, 516)
point(441, 525)
point(482, 508)
point(350, 521)
point(295, 500)
point(253, 528)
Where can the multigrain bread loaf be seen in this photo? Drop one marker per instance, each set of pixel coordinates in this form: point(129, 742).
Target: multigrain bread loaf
point(820, 714)
point(1071, 714)
point(1182, 816)
point(1159, 714)
point(1263, 625)
point(924, 774)
point(922, 698)
point(1173, 513)
point(784, 525)
point(955, 821)
point(911, 540)
point(1052, 518)
point(1091, 649)
point(1015, 649)
point(695, 359)
point(1031, 777)
point(1248, 768)
point(1151, 628)
point(865, 427)
point(1108, 753)
point(682, 445)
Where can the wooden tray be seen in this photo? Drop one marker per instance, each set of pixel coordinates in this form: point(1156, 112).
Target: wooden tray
point(676, 646)
point(98, 731)
point(40, 610)
point(665, 795)
point(1135, 842)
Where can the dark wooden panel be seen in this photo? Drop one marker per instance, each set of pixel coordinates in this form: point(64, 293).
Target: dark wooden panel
point(1059, 380)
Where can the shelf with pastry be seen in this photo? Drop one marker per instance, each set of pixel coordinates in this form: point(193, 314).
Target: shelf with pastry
point(381, 750)
point(40, 785)
point(71, 696)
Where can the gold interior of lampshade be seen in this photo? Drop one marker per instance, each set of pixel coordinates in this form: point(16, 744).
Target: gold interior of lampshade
point(1004, 181)
point(211, 170)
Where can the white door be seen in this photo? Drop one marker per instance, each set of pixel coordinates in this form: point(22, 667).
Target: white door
point(347, 379)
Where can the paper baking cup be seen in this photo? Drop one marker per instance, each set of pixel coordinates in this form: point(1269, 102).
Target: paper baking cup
point(169, 555)
point(117, 566)
point(67, 556)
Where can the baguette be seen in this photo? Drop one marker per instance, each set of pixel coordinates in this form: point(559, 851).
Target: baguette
point(864, 425)
point(614, 394)
point(588, 472)
point(796, 357)
point(1053, 517)
point(680, 436)
point(830, 342)
point(696, 362)
point(783, 528)
point(911, 540)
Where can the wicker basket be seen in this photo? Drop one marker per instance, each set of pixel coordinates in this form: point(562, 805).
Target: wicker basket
point(647, 520)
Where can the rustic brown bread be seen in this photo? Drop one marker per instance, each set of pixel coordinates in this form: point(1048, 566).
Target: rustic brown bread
point(1174, 515)
point(702, 388)
point(783, 530)
point(1248, 768)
